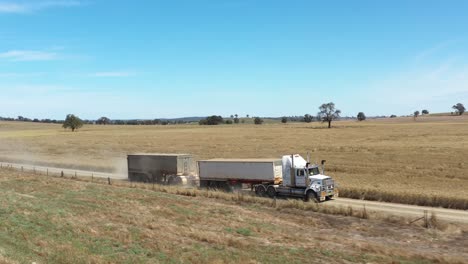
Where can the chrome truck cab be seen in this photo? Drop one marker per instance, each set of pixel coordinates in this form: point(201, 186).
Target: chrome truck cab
point(300, 178)
point(323, 187)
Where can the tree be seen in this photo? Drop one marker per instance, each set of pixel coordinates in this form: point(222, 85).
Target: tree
point(236, 120)
point(459, 108)
point(103, 121)
point(229, 122)
point(247, 116)
point(284, 120)
point(361, 116)
point(258, 121)
point(415, 114)
point(308, 118)
point(232, 116)
point(212, 120)
point(392, 116)
point(73, 122)
point(328, 113)
point(425, 112)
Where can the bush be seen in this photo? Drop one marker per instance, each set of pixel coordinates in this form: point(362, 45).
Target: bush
point(308, 118)
point(361, 116)
point(284, 120)
point(212, 120)
point(258, 121)
point(425, 112)
point(229, 122)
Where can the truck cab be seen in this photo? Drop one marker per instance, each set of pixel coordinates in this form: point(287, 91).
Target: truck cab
point(302, 179)
point(317, 186)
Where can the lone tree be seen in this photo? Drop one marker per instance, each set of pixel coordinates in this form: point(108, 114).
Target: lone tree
point(284, 120)
point(103, 121)
point(361, 116)
point(308, 118)
point(415, 114)
point(236, 119)
point(328, 113)
point(258, 121)
point(425, 112)
point(73, 122)
point(459, 108)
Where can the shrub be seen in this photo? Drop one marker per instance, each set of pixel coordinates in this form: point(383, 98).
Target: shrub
point(284, 120)
point(212, 120)
point(308, 118)
point(258, 121)
point(361, 116)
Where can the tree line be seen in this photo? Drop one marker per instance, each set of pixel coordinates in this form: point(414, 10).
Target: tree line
point(327, 114)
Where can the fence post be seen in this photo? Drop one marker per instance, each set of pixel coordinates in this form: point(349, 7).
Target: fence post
point(61, 174)
point(108, 180)
point(22, 169)
point(47, 171)
point(34, 169)
point(92, 177)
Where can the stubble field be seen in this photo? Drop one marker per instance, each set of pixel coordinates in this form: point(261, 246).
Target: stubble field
point(56, 220)
point(402, 160)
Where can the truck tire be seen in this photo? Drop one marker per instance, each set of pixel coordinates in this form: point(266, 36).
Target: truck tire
point(260, 190)
point(311, 196)
point(271, 191)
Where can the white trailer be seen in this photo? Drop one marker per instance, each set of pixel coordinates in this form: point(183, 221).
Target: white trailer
point(232, 173)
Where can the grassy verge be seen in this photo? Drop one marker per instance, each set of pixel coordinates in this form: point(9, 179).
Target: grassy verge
point(405, 198)
point(54, 220)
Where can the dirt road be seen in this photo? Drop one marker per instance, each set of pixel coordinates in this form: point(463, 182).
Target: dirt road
point(66, 172)
point(410, 211)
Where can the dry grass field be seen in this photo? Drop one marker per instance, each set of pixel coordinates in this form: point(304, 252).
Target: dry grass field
point(399, 159)
point(55, 220)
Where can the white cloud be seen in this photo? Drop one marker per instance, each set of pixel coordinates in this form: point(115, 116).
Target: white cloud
point(113, 74)
point(20, 75)
point(34, 6)
point(29, 55)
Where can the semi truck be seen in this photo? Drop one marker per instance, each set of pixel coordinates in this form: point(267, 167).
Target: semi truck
point(291, 176)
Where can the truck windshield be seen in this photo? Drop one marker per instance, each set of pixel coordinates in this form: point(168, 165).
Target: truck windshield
point(314, 171)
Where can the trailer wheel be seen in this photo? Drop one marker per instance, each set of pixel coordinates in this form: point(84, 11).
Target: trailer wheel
point(260, 190)
point(271, 191)
point(311, 196)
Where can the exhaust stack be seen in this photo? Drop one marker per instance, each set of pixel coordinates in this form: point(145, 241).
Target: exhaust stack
point(323, 167)
point(293, 172)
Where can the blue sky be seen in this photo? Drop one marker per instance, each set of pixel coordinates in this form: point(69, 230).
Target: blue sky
point(149, 59)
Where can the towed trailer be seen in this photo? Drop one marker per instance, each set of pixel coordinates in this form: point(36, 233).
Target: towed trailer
point(230, 174)
point(161, 168)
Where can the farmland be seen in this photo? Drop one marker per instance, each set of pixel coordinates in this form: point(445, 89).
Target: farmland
point(398, 157)
point(56, 220)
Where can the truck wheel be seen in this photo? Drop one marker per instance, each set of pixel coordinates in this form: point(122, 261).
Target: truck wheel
point(271, 191)
point(260, 190)
point(311, 196)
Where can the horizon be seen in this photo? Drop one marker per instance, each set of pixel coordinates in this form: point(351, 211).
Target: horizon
point(269, 58)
